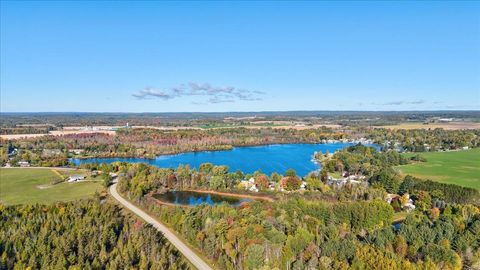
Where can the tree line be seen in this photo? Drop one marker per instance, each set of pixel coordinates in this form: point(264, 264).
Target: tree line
point(421, 140)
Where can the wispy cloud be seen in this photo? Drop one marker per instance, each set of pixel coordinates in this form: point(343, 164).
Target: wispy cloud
point(402, 102)
point(220, 100)
point(152, 93)
point(213, 94)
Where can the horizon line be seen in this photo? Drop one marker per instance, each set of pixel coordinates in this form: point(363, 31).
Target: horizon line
point(212, 112)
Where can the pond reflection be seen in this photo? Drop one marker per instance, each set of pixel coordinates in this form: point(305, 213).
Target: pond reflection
point(192, 198)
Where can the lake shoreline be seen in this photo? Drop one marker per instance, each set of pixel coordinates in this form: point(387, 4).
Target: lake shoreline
point(231, 147)
point(267, 158)
point(237, 195)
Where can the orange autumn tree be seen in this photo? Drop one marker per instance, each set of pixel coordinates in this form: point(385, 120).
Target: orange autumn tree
point(261, 180)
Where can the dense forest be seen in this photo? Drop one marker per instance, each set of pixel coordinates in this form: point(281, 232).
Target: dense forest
point(88, 234)
point(311, 231)
point(298, 234)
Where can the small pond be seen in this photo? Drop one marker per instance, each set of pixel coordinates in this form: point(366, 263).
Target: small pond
point(192, 198)
point(397, 225)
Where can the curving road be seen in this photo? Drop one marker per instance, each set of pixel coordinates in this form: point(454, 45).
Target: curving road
point(184, 249)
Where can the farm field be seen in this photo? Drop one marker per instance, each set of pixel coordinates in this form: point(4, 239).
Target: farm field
point(446, 126)
point(456, 167)
point(33, 185)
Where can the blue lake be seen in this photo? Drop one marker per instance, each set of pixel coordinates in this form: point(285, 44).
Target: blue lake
point(267, 158)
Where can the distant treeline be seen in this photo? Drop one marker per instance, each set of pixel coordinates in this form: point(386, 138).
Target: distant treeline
point(421, 140)
point(364, 118)
point(26, 130)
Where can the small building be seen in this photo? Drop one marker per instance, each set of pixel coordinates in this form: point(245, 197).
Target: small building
point(23, 163)
point(445, 119)
point(76, 151)
point(75, 178)
point(303, 185)
point(12, 152)
point(51, 152)
point(392, 197)
point(342, 182)
point(272, 186)
point(247, 184)
point(409, 206)
point(254, 188)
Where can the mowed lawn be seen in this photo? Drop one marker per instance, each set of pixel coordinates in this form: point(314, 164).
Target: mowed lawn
point(456, 167)
point(33, 185)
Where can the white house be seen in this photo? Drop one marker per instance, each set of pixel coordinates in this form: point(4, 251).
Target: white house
point(342, 182)
point(23, 163)
point(76, 151)
point(75, 178)
point(303, 185)
point(408, 206)
point(390, 197)
point(249, 185)
point(271, 186)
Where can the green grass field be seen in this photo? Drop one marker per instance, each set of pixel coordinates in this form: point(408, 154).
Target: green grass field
point(32, 185)
point(456, 167)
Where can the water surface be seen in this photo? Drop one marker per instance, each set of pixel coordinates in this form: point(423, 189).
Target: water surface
point(267, 158)
point(192, 198)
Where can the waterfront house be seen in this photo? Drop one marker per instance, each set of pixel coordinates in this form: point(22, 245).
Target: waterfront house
point(75, 178)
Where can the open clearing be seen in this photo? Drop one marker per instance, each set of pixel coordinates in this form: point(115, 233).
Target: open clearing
point(455, 167)
point(111, 130)
point(33, 185)
point(446, 126)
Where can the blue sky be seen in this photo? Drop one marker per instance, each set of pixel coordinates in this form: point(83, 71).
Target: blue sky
point(239, 56)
